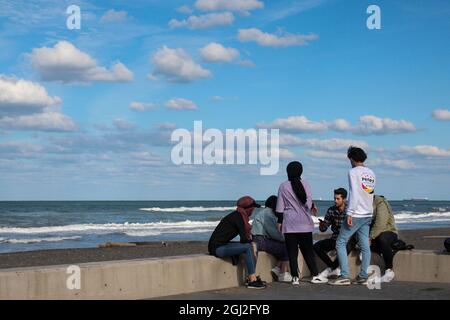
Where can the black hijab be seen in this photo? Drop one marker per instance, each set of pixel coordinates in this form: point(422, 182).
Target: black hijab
point(294, 172)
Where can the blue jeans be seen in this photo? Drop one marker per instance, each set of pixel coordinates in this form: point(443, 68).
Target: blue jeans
point(232, 249)
point(361, 226)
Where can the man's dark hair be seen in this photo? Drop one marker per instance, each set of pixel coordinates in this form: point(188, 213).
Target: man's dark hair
point(342, 192)
point(356, 154)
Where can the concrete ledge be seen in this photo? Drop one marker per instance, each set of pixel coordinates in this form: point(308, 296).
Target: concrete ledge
point(148, 278)
point(422, 266)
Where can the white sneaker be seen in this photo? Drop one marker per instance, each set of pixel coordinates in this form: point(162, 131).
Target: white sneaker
point(275, 273)
point(325, 273)
point(295, 281)
point(388, 276)
point(336, 272)
point(319, 280)
point(285, 277)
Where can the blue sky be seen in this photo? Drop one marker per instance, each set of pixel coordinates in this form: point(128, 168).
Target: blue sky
point(88, 113)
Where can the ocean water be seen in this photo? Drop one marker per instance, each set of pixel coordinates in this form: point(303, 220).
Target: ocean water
point(34, 225)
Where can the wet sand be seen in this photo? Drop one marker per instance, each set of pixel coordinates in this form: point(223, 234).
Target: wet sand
point(429, 239)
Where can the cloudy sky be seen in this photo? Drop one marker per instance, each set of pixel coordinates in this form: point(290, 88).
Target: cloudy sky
point(88, 113)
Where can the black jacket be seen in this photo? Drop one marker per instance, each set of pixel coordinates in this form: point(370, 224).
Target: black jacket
point(229, 227)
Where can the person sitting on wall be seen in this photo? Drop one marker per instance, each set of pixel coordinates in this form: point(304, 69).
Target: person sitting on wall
point(334, 218)
point(268, 238)
point(383, 233)
point(233, 225)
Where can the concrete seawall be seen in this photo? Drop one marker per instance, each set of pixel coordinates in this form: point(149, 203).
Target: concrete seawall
point(148, 278)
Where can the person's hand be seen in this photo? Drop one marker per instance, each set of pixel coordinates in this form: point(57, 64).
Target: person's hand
point(255, 250)
point(322, 225)
point(349, 221)
point(314, 210)
point(279, 227)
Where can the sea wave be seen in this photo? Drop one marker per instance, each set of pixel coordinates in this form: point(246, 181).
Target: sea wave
point(411, 217)
point(188, 209)
point(147, 233)
point(403, 217)
point(38, 240)
point(25, 235)
point(153, 228)
point(441, 209)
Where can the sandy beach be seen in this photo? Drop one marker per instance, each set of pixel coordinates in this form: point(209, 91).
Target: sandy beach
point(429, 239)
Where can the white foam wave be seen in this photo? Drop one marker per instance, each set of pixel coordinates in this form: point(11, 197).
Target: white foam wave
point(441, 209)
point(411, 217)
point(38, 240)
point(146, 233)
point(188, 209)
point(156, 227)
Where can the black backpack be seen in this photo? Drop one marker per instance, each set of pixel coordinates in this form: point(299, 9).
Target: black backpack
point(447, 244)
point(400, 245)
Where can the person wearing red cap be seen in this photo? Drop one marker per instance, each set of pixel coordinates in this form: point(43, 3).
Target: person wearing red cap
point(232, 225)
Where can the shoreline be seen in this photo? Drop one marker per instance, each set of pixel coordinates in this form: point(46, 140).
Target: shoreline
point(426, 239)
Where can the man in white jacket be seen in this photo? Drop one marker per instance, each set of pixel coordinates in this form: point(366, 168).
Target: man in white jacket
point(359, 216)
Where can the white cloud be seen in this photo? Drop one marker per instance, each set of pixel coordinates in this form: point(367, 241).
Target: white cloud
point(286, 154)
point(167, 126)
point(222, 98)
point(246, 63)
point(441, 114)
point(426, 150)
point(146, 158)
point(114, 16)
point(177, 66)
point(374, 125)
point(298, 124)
point(392, 163)
point(284, 10)
point(122, 124)
point(340, 125)
point(66, 63)
point(274, 40)
point(141, 106)
point(181, 104)
point(46, 121)
point(19, 147)
point(232, 5)
point(204, 21)
point(320, 154)
point(367, 125)
point(185, 10)
point(215, 52)
point(333, 144)
point(18, 96)
point(25, 105)
point(376, 162)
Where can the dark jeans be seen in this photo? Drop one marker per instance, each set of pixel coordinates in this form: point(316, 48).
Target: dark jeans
point(273, 247)
point(382, 245)
point(304, 241)
point(235, 248)
point(322, 248)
